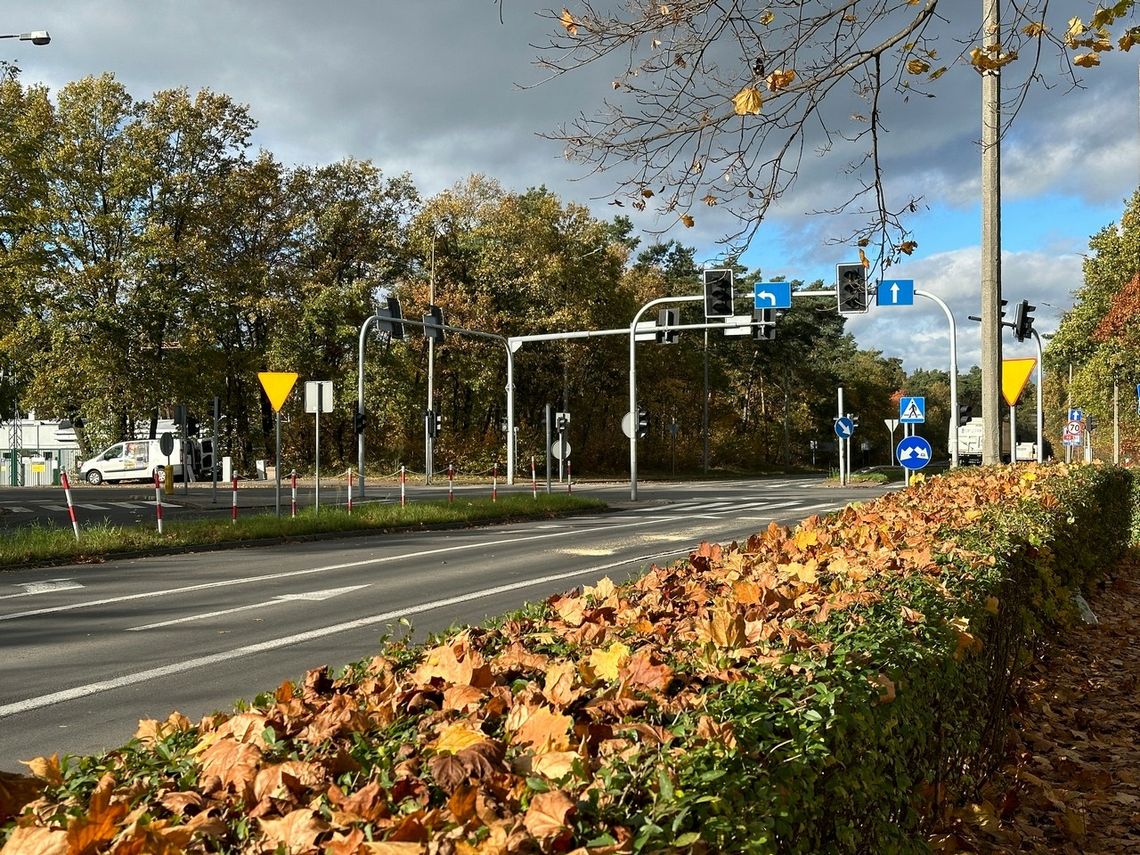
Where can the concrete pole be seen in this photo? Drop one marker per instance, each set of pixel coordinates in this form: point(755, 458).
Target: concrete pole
point(360, 399)
point(839, 439)
point(991, 241)
point(428, 449)
point(1040, 398)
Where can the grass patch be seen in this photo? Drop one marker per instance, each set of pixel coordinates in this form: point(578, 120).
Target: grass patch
point(50, 544)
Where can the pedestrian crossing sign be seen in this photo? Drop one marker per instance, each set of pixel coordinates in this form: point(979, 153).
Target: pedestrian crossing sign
point(912, 410)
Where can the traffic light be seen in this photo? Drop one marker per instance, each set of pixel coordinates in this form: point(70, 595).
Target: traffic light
point(192, 427)
point(438, 424)
point(764, 324)
point(718, 293)
point(965, 413)
point(433, 324)
point(666, 319)
point(432, 423)
point(642, 422)
point(1023, 320)
point(391, 319)
point(358, 420)
point(562, 421)
point(851, 288)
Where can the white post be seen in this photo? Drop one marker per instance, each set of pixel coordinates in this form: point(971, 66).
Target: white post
point(360, 399)
point(1115, 423)
point(1040, 398)
point(953, 372)
point(839, 439)
point(1012, 434)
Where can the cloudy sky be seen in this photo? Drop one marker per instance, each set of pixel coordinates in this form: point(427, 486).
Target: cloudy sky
point(442, 89)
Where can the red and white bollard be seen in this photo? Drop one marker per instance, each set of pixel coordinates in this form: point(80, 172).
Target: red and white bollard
point(158, 501)
point(403, 481)
point(350, 489)
point(495, 483)
point(233, 504)
point(569, 479)
point(533, 479)
point(70, 504)
point(450, 483)
point(293, 501)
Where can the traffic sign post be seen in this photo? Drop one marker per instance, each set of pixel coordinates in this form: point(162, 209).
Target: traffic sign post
point(772, 295)
point(913, 453)
point(912, 410)
point(277, 386)
point(895, 292)
point(892, 425)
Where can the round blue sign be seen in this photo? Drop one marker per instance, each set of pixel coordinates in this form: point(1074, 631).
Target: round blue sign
point(913, 452)
point(844, 427)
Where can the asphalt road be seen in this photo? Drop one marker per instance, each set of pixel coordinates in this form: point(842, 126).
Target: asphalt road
point(87, 650)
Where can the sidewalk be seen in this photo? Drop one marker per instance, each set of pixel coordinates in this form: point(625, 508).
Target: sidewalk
point(1071, 783)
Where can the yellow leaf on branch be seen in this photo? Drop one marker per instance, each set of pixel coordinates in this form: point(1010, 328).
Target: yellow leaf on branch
point(688, 221)
point(568, 22)
point(779, 79)
point(748, 101)
point(1087, 60)
point(917, 66)
point(1034, 30)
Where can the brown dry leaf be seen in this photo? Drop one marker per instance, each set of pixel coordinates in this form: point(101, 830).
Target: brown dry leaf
point(15, 792)
point(462, 698)
point(462, 802)
point(886, 688)
point(394, 847)
point(779, 79)
point(100, 824)
point(554, 764)
point(642, 671)
point(558, 687)
point(541, 728)
point(234, 764)
point(687, 221)
point(1087, 60)
point(546, 816)
point(724, 628)
point(297, 831)
point(37, 841)
point(46, 769)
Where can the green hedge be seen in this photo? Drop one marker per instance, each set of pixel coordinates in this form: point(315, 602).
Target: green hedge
point(829, 688)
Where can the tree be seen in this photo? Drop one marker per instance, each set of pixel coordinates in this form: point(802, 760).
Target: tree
point(715, 103)
point(1097, 339)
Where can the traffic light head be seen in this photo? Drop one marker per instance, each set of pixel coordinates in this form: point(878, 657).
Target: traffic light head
point(358, 421)
point(430, 422)
point(764, 324)
point(666, 318)
point(642, 422)
point(718, 293)
point(1023, 320)
point(965, 413)
point(391, 319)
point(433, 324)
point(192, 427)
point(851, 288)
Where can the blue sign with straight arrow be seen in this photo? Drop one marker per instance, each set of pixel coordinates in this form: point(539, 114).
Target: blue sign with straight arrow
point(772, 295)
point(895, 292)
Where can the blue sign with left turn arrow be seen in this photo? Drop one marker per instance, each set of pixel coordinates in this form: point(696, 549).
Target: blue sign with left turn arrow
point(772, 295)
point(913, 452)
point(844, 427)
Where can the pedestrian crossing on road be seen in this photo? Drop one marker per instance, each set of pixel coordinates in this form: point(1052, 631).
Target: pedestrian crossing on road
point(85, 506)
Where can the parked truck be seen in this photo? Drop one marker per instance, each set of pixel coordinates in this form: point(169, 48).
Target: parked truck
point(139, 459)
point(970, 441)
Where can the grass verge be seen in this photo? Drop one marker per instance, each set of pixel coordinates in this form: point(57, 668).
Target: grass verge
point(47, 545)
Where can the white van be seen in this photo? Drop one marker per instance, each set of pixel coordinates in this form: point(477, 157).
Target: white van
point(138, 459)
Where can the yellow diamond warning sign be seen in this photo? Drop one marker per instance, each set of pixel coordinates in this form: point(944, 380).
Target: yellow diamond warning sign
point(1014, 375)
point(277, 386)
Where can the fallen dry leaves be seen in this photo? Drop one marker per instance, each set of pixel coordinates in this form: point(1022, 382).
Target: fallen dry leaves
point(1072, 781)
point(492, 740)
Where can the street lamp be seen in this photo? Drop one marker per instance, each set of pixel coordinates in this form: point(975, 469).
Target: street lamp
point(36, 37)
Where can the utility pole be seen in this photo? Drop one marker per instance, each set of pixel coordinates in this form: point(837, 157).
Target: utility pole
point(991, 240)
point(428, 443)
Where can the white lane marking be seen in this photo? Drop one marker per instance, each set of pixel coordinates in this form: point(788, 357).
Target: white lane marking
point(18, 509)
point(89, 507)
point(298, 638)
point(311, 596)
point(586, 551)
point(366, 562)
point(130, 505)
point(32, 588)
point(54, 507)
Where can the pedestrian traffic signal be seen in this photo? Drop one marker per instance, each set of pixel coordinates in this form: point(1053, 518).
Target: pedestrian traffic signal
point(433, 324)
point(666, 319)
point(642, 422)
point(1023, 320)
point(718, 293)
point(358, 420)
point(764, 324)
point(851, 288)
point(965, 413)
